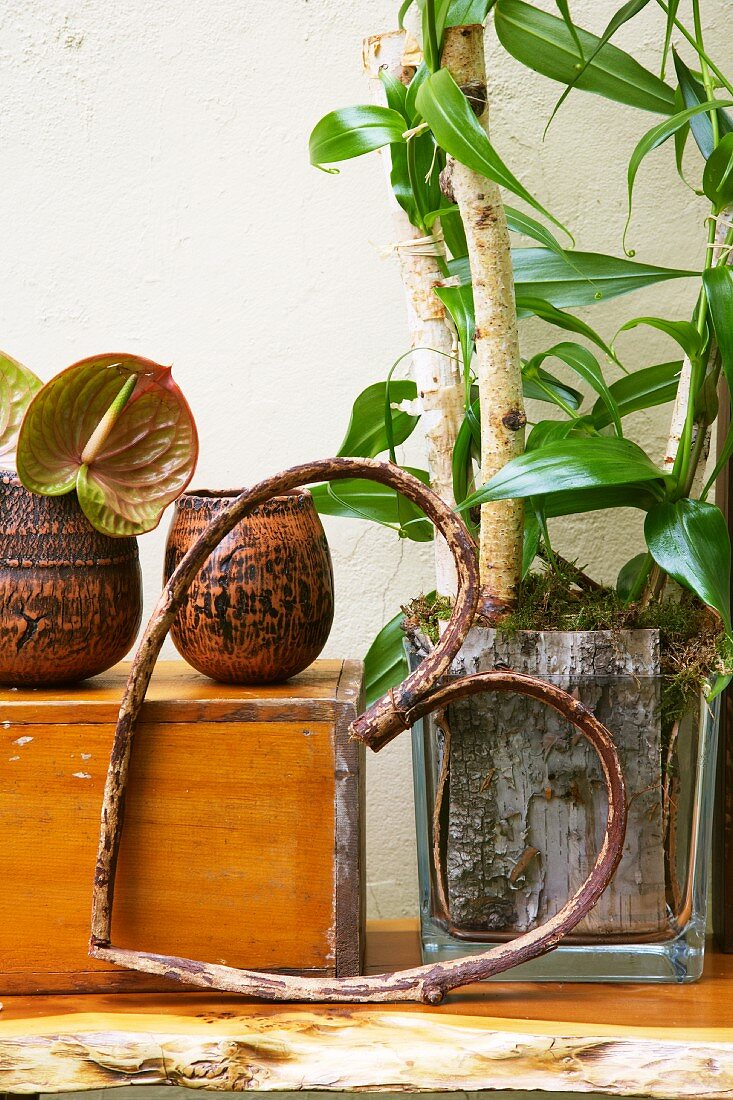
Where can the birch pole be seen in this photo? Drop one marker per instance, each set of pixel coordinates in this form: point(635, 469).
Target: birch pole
point(498, 365)
point(434, 358)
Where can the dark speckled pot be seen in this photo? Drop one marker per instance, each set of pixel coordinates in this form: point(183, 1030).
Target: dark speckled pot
point(261, 608)
point(70, 598)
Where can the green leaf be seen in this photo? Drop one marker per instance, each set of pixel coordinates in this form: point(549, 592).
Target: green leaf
point(689, 540)
point(538, 307)
point(357, 498)
point(574, 502)
point(17, 386)
point(585, 364)
point(519, 222)
point(463, 13)
point(576, 279)
point(531, 542)
point(717, 179)
point(655, 137)
point(352, 131)
point(628, 11)
point(629, 575)
point(681, 136)
point(693, 93)
point(543, 43)
point(396, 93)
point(367, 436)
point(564, 9)
point(718, 283)
point(457, 130)
point(462, 461)
point(539, 385)
point(458, 300)
point(672, 6)
point(432, 43)
point(583, 279)
point(144, 463)
point(545, 431)
point(421, 75)
point(569, 464)
point(643, 389)
point(682, 332)
point(385, 664)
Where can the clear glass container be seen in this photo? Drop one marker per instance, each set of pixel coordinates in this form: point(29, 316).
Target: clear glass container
point(510, 811)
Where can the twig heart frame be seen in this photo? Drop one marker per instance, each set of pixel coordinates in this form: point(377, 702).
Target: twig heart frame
point(395, 712)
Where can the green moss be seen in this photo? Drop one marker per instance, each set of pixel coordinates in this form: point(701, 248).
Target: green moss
point(693, 645)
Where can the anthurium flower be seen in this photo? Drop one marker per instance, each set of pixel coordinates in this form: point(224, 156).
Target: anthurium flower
point(17, 387)
point(118, 430)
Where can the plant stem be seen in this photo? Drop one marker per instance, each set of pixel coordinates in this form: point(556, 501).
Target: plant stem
point(706, 79)
point(700, 51)
point(102, 431)
point(432, 31)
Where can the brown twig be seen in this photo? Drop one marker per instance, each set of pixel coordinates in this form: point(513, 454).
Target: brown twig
point(383, 721)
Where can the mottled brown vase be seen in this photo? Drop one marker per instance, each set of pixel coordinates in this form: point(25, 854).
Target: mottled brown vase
point(70, 597)
point(261, 608)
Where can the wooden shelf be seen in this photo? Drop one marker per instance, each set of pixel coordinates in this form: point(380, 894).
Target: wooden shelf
point(623, 1040)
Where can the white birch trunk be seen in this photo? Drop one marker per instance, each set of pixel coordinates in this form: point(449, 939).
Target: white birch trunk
point(526, 804)
point(437, 372)
point(498, 365)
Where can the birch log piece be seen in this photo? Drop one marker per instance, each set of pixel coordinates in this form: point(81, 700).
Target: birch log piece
point(498, 365)
point(525, 798)
point(434, 358)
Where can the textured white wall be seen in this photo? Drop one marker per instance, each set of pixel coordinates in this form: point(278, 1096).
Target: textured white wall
point(157, 198)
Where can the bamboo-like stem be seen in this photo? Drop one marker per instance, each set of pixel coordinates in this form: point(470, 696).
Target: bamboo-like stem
point(437, 374)
point(498, 364)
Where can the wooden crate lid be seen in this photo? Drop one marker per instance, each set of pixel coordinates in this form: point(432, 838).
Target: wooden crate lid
point(178, 693)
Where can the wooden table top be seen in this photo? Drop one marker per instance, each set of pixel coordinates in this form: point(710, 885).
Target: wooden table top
point(627, 1039)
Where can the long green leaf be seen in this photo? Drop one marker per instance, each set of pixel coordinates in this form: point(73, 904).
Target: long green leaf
point(457, 130)
point(718, 284)
point(543, 43)
point(689, 540)
point(564, 9)
point(569, 464)
point(519, 222)
point(538, 307)
point(356, 498)
point(717, 179)
point(644, 389)
point(655, 137)
point(458, 300)
point(385, 664)
point(352, 131)
point(585, 364)
point(589, 278)
point(623, 15)
point(366, 436)
point(672, 6)
point(539, 385)
point(682, 332)
point(693, 93)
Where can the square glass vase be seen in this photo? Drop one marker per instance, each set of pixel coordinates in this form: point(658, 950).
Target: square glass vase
point(510, 810)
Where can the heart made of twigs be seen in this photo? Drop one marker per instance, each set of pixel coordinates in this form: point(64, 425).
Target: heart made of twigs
point(389, 716)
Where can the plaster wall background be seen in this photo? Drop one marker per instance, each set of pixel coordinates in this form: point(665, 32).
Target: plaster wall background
point(157, 198)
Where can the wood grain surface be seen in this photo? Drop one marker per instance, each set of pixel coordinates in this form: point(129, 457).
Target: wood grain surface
point(655, 1041)
point(230, 850)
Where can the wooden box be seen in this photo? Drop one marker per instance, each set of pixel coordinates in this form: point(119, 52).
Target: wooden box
point(242, 839)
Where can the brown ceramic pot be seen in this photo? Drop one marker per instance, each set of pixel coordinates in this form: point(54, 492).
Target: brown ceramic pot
point(70, 598)
point(261, 608)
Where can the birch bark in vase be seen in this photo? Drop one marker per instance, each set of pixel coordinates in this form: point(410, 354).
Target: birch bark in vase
point(437, 371)
point(525, 801)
